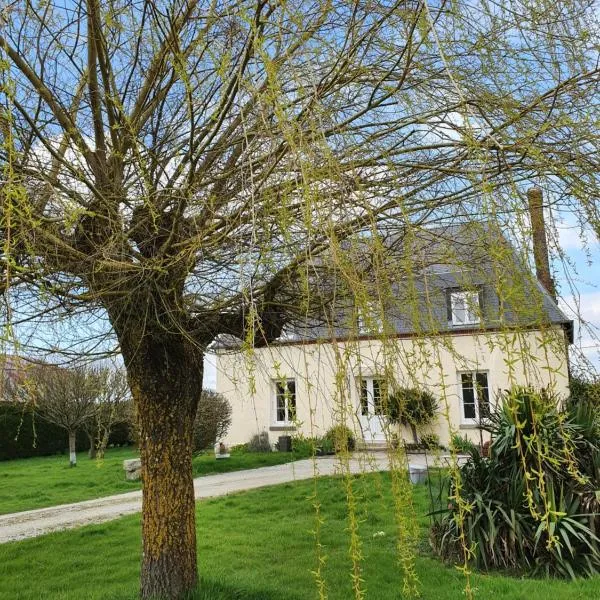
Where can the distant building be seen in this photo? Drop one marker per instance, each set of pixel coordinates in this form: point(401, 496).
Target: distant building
point(13, 371)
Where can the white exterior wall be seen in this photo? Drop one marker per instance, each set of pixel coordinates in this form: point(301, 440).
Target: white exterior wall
point(326, 377)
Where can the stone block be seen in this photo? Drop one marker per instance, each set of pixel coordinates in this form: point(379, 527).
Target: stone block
point(133, 469)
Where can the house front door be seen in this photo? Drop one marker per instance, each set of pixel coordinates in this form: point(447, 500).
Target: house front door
point(372, 417)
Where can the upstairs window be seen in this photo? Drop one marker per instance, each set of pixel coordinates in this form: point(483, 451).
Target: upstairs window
point(475, 397)
point(464, 307)
point(285, 401)
point(287, 333)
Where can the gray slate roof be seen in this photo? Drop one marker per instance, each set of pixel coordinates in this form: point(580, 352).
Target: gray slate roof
point(418, 271)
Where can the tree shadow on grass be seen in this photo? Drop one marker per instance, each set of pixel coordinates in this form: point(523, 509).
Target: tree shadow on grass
point(219, 590)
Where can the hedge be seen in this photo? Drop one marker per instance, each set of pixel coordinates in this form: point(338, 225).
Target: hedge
point(23, 434)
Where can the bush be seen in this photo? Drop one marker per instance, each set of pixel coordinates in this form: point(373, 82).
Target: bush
point(413, 407)
point(461, 444)
point(213, 420)
point(430, 441)
point(584, 391)
point(239, 449)
point(325, 447)
point(34, 436)
point(532, 504)
point(340, 438)
point(304, 447)
point(259, 442)
point(121, 434)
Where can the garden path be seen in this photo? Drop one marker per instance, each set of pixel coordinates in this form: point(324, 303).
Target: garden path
point(32, 523)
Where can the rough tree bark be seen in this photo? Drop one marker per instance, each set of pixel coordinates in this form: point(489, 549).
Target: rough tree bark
point(165, 375)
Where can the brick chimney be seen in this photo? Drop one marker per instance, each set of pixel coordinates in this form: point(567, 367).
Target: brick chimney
point(540, 244)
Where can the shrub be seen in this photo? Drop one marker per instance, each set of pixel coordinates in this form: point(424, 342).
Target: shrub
point(213, 420)
point(325, 447)
point(413, 407)
point(24, 434)
point(341, 438)
point(304, 447)
point(430, 441)
point(532, 504)
point(121, 434)
point(259, 442)
point(462, 444)
point(584, 391)
point(239, 448)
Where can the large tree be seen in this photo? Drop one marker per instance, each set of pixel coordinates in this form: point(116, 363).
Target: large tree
point(175, 166)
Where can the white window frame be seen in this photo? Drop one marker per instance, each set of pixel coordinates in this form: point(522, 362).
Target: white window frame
point(287, 412)
point(476, 391)
point(287, 333)
point(369, 381)
point(471, 307)
point(368, 319)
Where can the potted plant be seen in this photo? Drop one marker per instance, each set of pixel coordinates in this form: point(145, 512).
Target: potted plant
point(413, 407)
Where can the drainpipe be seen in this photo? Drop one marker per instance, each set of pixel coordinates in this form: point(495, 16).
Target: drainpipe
point(540, 244)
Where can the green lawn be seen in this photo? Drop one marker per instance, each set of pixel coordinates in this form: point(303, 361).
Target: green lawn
point(258, 545)
point(31, 483)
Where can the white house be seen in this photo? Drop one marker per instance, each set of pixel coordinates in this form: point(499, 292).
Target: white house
point(462, 317)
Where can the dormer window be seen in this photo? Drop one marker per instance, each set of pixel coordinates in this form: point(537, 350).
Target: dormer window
point(369, 319)
point(287, 333)
point(464, 306)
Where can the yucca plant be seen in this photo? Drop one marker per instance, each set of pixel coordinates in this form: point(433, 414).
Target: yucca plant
point(571, 546)
point(534, 504)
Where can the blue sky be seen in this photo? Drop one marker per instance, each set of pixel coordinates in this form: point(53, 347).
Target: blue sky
point(583, 272)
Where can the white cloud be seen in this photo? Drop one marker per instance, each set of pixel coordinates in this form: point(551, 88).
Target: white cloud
point(572, 234)
point(210, 372)
point(585, 312)
point(585, 307)
point(569, 238)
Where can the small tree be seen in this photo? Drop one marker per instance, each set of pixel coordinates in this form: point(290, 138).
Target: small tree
point(67, 398)
point(113, 406)
point(212, 420)
point(413, 407)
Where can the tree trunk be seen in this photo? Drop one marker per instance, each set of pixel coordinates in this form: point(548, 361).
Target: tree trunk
point(92, 451)
point(72, 450)
point(101, 448)
point(166, 382)
point(414, 433)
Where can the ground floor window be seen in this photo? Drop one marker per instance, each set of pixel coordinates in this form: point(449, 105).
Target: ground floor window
point(285, 401)
point(372, 396)
point(475, 397)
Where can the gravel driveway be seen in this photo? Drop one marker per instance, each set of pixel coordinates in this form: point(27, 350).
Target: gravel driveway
point(31, 523)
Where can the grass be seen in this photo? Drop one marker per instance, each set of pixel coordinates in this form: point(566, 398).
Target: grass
point(259, 545)
point(30, 483)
